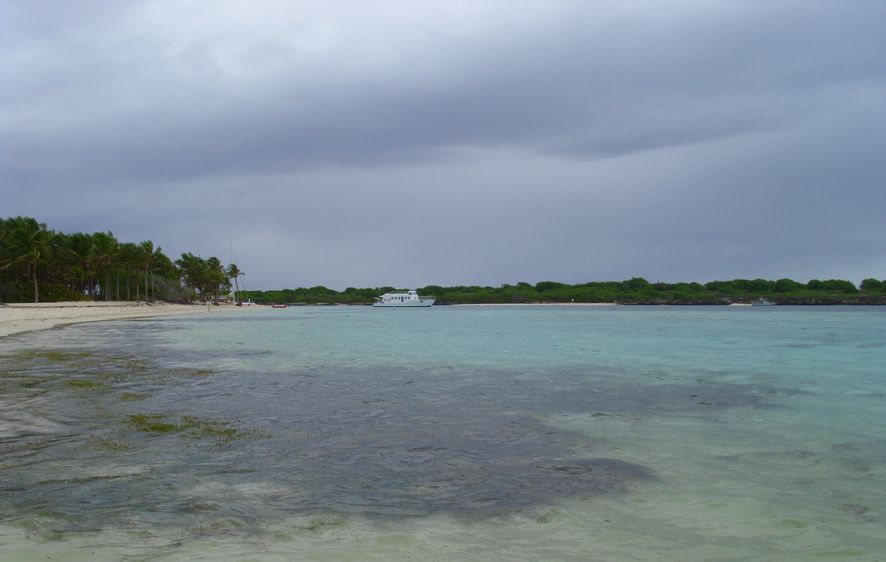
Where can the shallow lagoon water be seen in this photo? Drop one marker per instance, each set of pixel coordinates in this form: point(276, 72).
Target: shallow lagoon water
point(474, 433)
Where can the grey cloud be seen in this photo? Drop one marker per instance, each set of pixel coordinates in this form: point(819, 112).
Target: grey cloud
point(595, 81)
point(598, 140)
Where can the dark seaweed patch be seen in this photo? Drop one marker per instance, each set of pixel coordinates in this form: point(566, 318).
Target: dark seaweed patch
point(189, 426)
point(152, 423)
point(854, 509)
point(106, 444)
point(335, 442)
point(86, 384)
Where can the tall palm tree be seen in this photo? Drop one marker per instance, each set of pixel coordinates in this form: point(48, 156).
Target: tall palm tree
point(105, 249)
point(234, 273)
point(217, 276)
point(147, 256)
point(191, 270)
point(27, 244)
point(80, 253)
point(128, 258)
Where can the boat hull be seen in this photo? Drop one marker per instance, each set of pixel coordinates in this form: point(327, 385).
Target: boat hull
point(423, 303)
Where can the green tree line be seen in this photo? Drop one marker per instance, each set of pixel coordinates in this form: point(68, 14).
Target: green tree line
point(41, 265)
point(38, 264)
point(631, 291)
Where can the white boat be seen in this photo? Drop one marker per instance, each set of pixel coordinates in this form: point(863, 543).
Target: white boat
point(763, 302)
point(405, 300)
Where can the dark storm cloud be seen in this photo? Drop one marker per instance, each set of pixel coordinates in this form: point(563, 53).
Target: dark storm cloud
point(562, 140)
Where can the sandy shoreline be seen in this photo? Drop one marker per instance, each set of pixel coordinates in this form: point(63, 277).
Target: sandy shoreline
point(537, 304)
point(21, 317)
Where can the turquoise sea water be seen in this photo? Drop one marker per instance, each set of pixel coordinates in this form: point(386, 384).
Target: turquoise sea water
point(473, 433)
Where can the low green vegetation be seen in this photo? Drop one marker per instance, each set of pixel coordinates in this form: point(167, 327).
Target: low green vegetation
point(38, 264)
point(631, 291)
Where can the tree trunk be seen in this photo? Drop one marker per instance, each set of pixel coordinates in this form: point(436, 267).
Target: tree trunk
point(128, 295)
point(34, 277)
point(146, 286)
point(138, 296)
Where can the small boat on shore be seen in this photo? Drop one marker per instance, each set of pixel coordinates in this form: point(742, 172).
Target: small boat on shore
point(763, 302)
point(278, 306)
point(409, 299)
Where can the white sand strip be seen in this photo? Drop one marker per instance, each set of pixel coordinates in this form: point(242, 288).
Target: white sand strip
point(539, 304)
point(19, 317)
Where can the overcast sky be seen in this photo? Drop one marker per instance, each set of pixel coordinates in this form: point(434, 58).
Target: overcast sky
point(354, 143)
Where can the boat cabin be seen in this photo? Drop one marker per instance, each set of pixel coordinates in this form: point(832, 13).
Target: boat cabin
point(409, 298)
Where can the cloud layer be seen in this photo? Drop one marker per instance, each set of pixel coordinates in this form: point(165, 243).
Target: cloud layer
point(408, 143)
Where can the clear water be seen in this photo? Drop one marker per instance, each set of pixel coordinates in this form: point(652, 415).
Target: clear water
point(474, 433)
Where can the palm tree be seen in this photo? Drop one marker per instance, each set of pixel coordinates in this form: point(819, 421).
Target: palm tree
point(217, 276)
point(128, 258)
point(234, 273)
point(147, 256)
point(79, 251)
point(105, 248)
point(191, 269)
point(28, 242)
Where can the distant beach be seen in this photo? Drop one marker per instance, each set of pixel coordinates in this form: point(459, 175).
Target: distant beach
point(20, 317)
point(538, 304)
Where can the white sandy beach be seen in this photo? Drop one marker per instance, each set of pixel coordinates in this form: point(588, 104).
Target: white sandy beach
point(540, 304)
point(21, 317)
